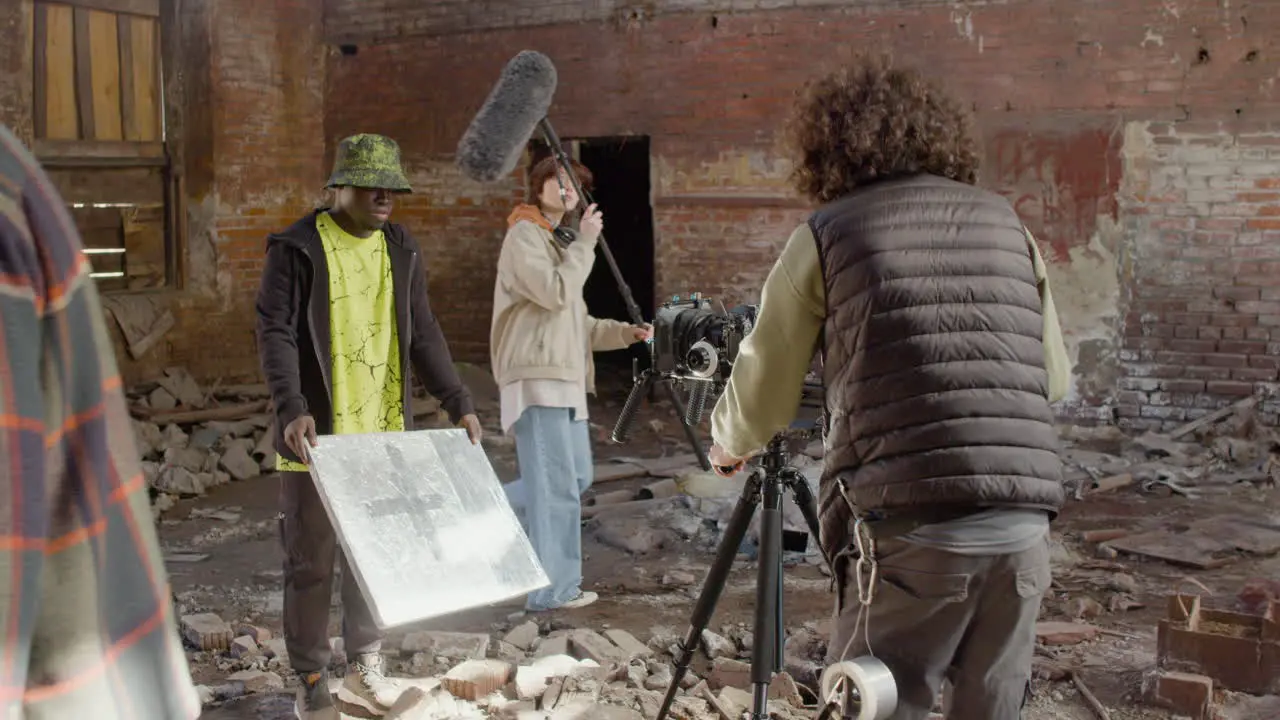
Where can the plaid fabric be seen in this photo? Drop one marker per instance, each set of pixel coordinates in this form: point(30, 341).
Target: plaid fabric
point(88, 628)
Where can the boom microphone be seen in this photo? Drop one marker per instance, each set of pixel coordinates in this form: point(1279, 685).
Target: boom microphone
point(494, 143)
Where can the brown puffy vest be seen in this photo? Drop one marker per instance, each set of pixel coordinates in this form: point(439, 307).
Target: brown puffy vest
point(933, 360)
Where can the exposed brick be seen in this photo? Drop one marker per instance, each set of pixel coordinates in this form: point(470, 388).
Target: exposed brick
point(1229, 387)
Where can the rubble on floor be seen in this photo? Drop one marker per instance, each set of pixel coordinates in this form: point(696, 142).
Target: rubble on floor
point(193, 439)
point(533, 669)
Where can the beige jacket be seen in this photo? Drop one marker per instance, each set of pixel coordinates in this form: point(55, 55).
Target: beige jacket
point(541, 329)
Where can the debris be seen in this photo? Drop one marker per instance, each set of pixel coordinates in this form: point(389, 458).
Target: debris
point(185, 557)
point(1213, 417)
point(662, 489)
point(454, 646)
point(256, 681)
point(182, 386)
point(194, 417)
point(1064, 633)
point(523, 636)
point(1097, 536)
point(1240, 652)
point(590, 645)
point(1113, 482)
point(679, 578)
point(206, 631)
point(628, 644)
point(1094, 704)
point(718, 646)
point(1208, 543)
point(239, 464)
point(1184, 693)
point(474, 679)
point(243, 647)
point(634, 534)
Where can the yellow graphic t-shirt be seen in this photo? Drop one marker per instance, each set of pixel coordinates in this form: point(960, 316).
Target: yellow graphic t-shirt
point(364, 347)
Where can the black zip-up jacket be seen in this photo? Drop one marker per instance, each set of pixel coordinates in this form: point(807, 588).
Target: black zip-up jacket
point(293, 329)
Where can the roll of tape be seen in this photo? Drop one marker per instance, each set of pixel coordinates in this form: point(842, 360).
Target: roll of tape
point(877, 693)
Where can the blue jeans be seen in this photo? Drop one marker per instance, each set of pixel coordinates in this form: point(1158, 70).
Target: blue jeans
point(553, 451)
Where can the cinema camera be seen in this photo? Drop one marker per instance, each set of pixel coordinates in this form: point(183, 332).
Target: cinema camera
point(695, 342)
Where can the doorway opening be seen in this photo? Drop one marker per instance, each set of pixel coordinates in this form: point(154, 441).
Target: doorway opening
point(620, 167)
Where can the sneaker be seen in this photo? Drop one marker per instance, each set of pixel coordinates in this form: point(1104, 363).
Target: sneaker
point(314, 701)
point(367, 682)
point(581, 600)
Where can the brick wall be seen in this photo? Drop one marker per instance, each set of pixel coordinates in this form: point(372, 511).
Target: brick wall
point(1203, 324)
point(1059, 90)
point(246, 107)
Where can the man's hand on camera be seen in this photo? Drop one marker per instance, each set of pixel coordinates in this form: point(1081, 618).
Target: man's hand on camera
point(300, 435)
point(642, 333)
point(592, 223)
point(472, 425)
point(724, 464)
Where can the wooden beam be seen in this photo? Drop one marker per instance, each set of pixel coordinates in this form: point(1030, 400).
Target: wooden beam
point(61, 118)
point(128, 96)
point(147, 8)
point(101, 153)
point(105, 46)
point(40, 92)
point(84, 74)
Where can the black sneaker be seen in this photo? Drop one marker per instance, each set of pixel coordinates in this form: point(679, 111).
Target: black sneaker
point(314, 701)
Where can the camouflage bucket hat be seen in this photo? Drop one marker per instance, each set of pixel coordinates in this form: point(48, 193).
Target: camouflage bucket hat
point(368, 161)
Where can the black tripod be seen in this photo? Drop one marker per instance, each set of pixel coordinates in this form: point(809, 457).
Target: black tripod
point(765, 485)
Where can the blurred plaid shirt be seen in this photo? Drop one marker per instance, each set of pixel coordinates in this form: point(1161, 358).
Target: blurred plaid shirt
point(88, 619)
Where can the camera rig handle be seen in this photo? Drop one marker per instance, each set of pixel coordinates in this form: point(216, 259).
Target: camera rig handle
point(562, 159)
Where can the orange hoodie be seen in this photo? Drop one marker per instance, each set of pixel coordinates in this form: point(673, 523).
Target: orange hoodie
point(530, 213)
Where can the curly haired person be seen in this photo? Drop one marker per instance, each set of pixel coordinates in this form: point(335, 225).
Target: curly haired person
point(941, 352)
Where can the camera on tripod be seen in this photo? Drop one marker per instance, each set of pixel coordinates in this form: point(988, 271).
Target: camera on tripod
point(695, 342)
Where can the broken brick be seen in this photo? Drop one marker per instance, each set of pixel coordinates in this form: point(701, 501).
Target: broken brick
point(1183, 693)
point(475, 679)
point(1064, 633)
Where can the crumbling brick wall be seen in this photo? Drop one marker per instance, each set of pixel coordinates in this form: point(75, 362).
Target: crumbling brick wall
point(1079, 109)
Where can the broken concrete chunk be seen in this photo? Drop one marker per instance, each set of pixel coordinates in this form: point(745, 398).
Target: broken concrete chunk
point(553, 645)
point(589, 644)
point(455, 646)
point(474, 679)
point(523, 635)
point(718, 646)
point(190, 458)
point(206, 631)
point(237, 462)
point(179, 383)
point(1064, 633)
point(679, 578)
point(161, 399)
point(635, 535)
point(628, 644)
point(179, 481)
point(244, 646)
point(149, 438)
point(258, 680)
point(727, 672)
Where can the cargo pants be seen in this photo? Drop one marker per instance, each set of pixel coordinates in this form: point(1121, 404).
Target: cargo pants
point(310, 551)
point(936, 616)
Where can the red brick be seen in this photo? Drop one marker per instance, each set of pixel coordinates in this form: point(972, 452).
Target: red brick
point(1183, 693)
point(1243, 348)
point(1228, 361)
point(1253, 374)
point(1229, 387)
point(1182, 386)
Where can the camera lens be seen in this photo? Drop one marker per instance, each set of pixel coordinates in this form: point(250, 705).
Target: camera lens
point(702, 358)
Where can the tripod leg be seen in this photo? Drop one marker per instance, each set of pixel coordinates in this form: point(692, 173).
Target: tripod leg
point(808, 507)
point(768, 628)
point(689, 432)
point(705, 607)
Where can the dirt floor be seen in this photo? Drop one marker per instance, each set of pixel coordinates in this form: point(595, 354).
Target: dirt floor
point(1119, 594)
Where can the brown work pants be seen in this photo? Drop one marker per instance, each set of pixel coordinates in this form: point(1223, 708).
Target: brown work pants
point(310, 549)
point(936, 615)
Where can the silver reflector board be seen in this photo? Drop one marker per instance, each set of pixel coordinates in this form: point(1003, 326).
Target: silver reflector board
point(424, 523)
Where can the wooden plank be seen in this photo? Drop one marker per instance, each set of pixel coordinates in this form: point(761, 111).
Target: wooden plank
point(61, 121)
point(128, 95)
point(133, 185)
point(84, 75)
point(148, 8)
point(146, 78)
point(88, 153)
point(104, 48)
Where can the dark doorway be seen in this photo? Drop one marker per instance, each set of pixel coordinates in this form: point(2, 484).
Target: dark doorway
point(620, 166)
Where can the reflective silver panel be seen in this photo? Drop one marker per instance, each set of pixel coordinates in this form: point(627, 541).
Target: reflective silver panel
point(424, 522)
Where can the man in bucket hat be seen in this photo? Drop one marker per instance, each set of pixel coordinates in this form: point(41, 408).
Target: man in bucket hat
point(342, 315)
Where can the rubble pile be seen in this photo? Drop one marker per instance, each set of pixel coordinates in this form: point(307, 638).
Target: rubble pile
point(532, 671)
point(192, 440)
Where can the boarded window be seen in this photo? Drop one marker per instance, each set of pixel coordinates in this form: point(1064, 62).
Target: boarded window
point(99, 126)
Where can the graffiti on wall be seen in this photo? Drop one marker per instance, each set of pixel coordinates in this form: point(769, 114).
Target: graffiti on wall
point(1059, 180)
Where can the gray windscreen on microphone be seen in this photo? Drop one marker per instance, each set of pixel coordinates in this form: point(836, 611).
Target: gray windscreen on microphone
point(492, 146)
